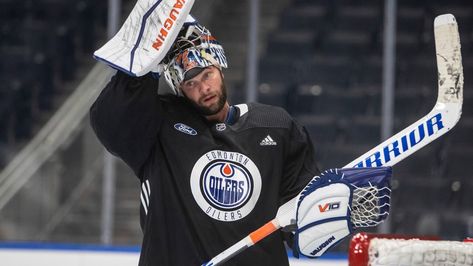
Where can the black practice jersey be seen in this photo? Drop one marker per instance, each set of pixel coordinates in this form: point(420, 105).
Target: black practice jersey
point(205, 185)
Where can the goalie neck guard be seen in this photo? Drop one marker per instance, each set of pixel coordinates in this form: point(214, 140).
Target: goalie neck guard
point(195, 48)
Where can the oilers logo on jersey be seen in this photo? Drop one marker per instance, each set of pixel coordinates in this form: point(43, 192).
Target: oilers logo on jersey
point(226, 185)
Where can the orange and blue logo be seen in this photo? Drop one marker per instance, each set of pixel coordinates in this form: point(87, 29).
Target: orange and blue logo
point(226, 185)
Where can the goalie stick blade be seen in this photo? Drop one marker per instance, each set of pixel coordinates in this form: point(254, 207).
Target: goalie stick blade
point(443, 117)
point(146, 36)
point(449, 60)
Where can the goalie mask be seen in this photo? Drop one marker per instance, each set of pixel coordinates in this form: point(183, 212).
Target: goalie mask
point(194, 49)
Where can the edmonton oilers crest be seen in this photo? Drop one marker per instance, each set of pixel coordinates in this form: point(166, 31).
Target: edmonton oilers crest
point(226, 185)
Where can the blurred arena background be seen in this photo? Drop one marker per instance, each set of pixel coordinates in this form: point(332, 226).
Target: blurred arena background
point(322, 60)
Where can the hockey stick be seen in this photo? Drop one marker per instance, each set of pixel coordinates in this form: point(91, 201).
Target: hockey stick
point(441, 119)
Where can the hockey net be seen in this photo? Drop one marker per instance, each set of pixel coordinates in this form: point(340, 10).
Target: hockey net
point(376, 250)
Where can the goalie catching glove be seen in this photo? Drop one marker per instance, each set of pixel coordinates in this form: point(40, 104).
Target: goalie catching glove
point(333, 204)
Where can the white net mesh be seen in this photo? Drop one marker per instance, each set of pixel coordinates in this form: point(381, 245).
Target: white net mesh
point(419, 252)
point(370, 205)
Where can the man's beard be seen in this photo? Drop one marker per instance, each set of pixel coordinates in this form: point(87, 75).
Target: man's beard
point(206, 111)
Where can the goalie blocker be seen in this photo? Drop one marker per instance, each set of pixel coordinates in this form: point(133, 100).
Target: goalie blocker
point(146, 36)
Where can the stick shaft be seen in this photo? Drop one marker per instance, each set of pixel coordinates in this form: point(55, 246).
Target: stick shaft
point(253, 238)
point(264, 231)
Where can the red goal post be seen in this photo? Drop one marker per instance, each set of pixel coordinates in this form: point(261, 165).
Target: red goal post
point(385, 249)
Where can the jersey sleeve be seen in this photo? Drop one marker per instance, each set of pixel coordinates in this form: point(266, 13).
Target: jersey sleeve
point(126, 118)
point(300, 164)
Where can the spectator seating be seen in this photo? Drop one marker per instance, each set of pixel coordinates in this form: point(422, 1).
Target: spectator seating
point(40, 42)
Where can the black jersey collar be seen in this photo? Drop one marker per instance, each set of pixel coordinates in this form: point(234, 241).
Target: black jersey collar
point(235, 112)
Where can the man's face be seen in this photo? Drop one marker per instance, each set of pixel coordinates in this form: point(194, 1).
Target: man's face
point(206, 91)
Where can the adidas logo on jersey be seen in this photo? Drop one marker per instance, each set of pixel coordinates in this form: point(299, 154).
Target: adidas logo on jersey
point(268, 141)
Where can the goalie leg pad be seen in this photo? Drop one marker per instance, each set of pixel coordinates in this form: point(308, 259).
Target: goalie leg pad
point(323, 219)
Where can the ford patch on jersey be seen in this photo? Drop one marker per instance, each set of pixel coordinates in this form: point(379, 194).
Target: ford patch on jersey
point(226, 185)
point(185, 129)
